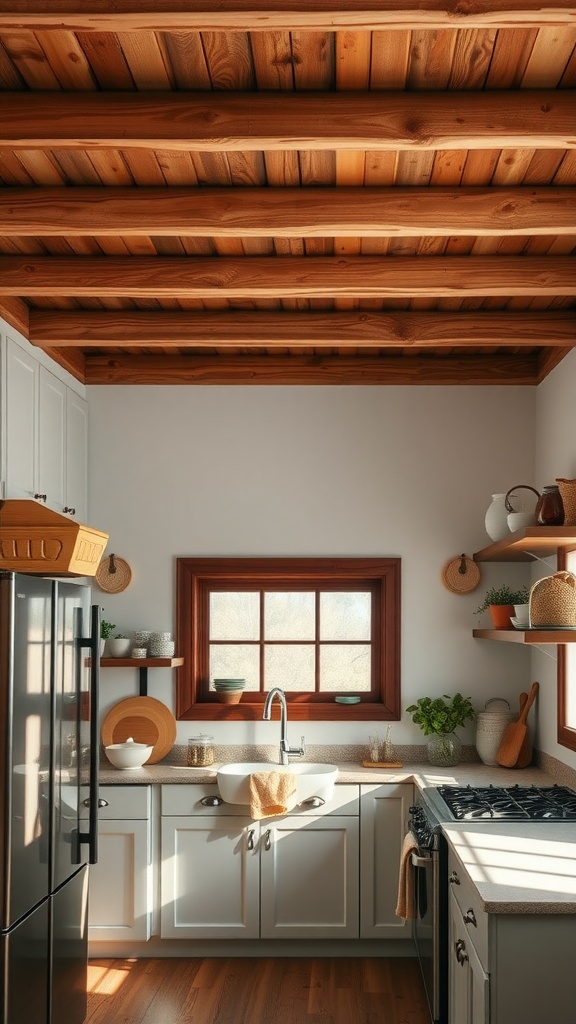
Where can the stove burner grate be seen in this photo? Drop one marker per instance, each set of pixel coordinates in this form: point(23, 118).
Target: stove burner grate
point(513, 803)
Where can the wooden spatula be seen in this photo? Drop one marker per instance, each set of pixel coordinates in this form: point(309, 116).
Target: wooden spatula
point(515, 734)
point(525, 755)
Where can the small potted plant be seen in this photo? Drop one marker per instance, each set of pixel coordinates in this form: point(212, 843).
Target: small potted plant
point(105, 633)
point(438, 718)
point(119, 646)
point(500, 601)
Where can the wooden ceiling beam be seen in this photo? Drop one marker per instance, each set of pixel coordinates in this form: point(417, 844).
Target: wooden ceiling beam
point(287, 212)
point(280, 15)
point(307, 370)
point(287, 277)
point(306, 329)
point(235, 122)
point(16, 313)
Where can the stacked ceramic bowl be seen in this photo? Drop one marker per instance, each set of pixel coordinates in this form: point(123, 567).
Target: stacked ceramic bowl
point(229, 691)
point(161, 645)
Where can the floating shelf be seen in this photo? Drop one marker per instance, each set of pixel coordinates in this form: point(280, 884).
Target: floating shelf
point(524, 545)
point(142, 664)
point(527, 637)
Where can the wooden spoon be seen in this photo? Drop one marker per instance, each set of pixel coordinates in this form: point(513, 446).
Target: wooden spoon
point(525, 755)
point(515, 734)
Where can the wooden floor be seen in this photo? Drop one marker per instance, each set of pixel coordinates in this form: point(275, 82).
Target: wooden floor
point(256, 991)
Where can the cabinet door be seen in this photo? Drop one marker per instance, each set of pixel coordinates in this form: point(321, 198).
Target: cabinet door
point(468, 996)
point(384, 816)
point(76, 503)
point(210, 878)
point(20, 422)
point(120, 883)
point(309, 878)
point(52, 439)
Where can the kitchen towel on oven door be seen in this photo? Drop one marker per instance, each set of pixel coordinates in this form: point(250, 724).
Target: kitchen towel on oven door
point(405, 903)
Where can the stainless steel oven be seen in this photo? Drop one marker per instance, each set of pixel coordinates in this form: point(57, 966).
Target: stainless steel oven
point(430, 911)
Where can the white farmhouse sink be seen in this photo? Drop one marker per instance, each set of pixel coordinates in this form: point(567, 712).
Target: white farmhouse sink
point(311, 779)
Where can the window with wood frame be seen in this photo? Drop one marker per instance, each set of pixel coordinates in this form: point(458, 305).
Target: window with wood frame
point(567, 676)
point(319, 628)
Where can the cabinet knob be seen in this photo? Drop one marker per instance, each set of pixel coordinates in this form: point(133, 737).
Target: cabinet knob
point(41, 497)
point(250, 843)
point(211, 801)
point(460, 950)
point(454, 880)
point(71, 511)
point(470, 917)
point(267, 839)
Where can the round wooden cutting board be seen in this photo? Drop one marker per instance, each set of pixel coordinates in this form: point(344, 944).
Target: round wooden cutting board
point(146, 719)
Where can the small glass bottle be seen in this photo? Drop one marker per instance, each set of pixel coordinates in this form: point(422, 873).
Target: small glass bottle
point(550, 508)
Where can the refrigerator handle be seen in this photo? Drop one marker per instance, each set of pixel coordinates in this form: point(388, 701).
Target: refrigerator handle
point(93, 643)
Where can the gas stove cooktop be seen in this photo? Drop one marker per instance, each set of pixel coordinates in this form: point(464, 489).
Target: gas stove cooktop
point(505, 803)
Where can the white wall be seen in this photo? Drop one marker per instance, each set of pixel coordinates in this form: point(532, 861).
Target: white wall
point(400, 471)
point(555, 453)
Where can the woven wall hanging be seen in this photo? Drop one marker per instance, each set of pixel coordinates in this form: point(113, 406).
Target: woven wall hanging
point(113, 574)
point(461, 575)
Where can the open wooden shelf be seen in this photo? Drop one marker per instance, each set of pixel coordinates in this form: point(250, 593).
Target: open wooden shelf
point(141, 662)
point(524, 545)
point(528, 636)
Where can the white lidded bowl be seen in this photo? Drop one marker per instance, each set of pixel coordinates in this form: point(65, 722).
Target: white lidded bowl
point(128, 754)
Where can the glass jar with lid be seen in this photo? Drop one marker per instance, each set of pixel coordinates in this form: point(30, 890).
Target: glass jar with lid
point(200, 751)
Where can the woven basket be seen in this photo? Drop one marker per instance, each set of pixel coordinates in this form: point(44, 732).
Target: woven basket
point(567, 490)
point(553, 601)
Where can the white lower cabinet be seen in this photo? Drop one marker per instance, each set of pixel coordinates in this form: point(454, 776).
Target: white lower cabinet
point(224, 875)
point(384, 818)
point(121, 881)
point(468, 983)
point(506, 968)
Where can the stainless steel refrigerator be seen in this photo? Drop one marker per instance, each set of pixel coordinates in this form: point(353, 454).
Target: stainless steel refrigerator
point(49, 639)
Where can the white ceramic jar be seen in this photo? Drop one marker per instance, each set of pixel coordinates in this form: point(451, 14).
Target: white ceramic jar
point(496, 518)
point(490, 729)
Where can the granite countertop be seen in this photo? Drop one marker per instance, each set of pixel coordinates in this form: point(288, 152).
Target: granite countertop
point(517, 868)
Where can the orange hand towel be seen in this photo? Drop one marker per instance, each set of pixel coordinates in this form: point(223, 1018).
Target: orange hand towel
point(405, 904)
point(271, 793)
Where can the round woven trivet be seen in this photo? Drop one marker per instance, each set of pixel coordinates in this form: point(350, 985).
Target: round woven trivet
point(113, 575)
point(461, 575)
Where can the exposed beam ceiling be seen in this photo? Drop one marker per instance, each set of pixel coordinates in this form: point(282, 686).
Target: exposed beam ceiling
point(285, 212)
point(299, 121)
point(290, 191)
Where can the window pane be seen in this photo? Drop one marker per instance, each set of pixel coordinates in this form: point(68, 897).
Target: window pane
point(234, 615)
point(345, 668)
point(290, 668)
point(345, 616)
point(235, 661)
point(289, 616)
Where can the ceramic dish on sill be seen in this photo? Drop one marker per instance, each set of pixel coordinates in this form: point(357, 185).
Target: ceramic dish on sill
point(519, 625)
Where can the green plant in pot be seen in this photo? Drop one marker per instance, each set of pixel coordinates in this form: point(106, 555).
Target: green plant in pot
point(106, 629)
point(500, 601)
point(439, 717)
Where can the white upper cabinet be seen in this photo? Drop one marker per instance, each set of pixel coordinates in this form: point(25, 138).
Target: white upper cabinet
point(45, 435)
point(20, 386)
point(76, 504)
point(52, 440)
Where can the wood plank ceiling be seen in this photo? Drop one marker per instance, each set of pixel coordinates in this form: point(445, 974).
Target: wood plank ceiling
point(290, 191)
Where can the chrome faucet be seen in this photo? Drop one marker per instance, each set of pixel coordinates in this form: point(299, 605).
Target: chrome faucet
point(285, 748)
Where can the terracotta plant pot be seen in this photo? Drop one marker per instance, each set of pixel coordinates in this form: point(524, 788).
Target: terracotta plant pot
point(501, 614)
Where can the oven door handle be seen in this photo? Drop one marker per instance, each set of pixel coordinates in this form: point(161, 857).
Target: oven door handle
point(421, 862)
